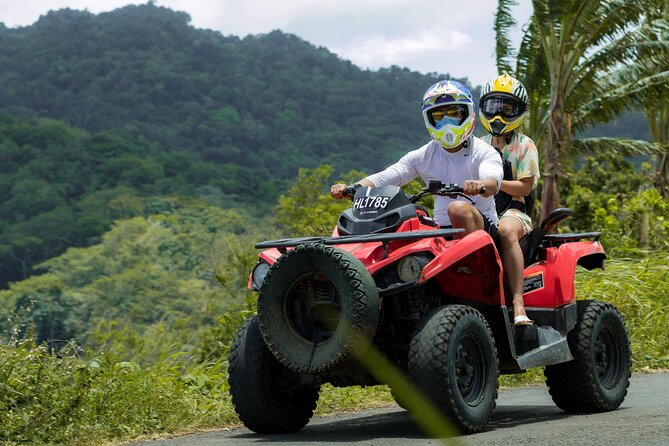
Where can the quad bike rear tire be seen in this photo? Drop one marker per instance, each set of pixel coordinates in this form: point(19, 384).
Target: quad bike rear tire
point(596, 380)
point(317, 306)
point(453, 361)
point(265, 402)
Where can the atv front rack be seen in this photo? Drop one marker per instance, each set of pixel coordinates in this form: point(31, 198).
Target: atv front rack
point(359, 238)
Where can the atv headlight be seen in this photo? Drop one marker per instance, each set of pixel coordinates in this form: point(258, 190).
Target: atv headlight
point(409, 269)
point(258, 274)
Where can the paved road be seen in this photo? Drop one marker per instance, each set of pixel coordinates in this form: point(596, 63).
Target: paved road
point(523, 417)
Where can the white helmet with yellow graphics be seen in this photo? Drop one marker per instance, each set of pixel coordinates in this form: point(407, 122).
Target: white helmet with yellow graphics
point(448, 112)
point(503, 105)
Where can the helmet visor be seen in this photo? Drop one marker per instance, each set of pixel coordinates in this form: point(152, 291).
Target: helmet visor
point(504, 106)
point(453, 114)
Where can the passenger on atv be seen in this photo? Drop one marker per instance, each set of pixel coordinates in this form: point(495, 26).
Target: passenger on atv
point(502, 110)
point(453, 156)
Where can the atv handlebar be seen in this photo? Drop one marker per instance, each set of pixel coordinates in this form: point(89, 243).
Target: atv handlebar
point(433, 188)
point(350, 190)
point(439, 188)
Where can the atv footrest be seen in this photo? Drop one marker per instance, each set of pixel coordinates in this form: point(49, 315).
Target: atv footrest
point(552, 347)
point(527, 338)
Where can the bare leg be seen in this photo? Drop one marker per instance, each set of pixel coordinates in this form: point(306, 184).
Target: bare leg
point(464, 215)
point(510, 231)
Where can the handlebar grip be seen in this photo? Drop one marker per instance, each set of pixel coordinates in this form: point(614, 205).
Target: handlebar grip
point(351, 190)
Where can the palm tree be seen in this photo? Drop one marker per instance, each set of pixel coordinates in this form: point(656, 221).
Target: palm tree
point(656, 108)
point(579, 60)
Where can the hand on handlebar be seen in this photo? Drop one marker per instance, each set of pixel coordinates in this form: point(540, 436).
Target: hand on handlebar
point(338, 191)
point(473, 187)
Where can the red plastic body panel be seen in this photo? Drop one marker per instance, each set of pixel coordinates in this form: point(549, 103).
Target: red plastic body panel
point(458, 264)
point(558, 271)
point(470, 268)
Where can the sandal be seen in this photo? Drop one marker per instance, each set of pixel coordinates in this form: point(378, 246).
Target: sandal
point(522, 320)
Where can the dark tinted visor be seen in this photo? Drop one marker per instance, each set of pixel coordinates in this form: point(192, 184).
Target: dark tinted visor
point(506, 106)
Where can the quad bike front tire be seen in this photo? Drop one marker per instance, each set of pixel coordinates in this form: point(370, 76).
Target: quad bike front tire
point(596, 380)
point(317, 306)
point(265, 401)
point(453, 361)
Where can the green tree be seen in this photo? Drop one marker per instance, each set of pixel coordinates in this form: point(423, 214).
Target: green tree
point(581, 63)
point(656, 107)
point(173, 272)
point(42, 308)
point(307, 208)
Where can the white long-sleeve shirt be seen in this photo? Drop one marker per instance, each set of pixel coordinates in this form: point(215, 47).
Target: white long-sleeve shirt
point(477, 161)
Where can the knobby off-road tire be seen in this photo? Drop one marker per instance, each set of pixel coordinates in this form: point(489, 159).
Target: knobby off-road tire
point(596, 380)
point(264, 401)
point(316, 306)
point(453, 361)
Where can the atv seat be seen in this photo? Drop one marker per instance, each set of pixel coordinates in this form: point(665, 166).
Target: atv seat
point(539, 237)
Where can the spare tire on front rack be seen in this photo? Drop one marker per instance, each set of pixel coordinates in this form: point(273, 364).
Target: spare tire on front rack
point(317, 305)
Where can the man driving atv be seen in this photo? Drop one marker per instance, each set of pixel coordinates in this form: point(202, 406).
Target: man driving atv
point(453, 156)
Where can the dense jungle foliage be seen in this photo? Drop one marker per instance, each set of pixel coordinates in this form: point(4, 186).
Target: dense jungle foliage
point(153, 106)
point(141, 159)
point(260, 106)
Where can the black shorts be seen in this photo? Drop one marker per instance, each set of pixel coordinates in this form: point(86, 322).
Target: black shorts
point(490, 228)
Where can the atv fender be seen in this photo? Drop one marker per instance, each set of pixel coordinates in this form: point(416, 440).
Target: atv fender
point(558, 271)
point(470, 270)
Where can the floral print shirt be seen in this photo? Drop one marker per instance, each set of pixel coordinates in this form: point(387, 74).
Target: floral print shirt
point(523, 156)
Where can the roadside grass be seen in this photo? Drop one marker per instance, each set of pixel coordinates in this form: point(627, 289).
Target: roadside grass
point(638, 288)
point(78, 398)
point(61, 398)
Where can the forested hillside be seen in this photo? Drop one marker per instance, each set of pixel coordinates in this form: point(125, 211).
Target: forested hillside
point(261, 106)
point(176, 271)
point(153, 107)
point(62, 187)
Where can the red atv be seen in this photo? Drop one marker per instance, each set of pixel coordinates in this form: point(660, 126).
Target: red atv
point(389, 280)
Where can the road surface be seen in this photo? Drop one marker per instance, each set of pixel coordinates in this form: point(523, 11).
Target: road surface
point(524, 416)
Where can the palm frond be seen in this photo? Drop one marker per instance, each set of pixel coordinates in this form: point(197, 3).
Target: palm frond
point(629, 87)
point(607, 21)
point(603, 146)
point(504, 21)
point(532, 70)
point(638, 78)
point(603, 59)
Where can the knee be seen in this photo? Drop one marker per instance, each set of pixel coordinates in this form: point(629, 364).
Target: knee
point(507, 233)
point(458, 210)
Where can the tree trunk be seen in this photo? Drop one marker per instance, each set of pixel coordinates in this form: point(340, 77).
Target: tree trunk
point(644, 230)
point(557, 142)
point(661, 177)
point(659, 131)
